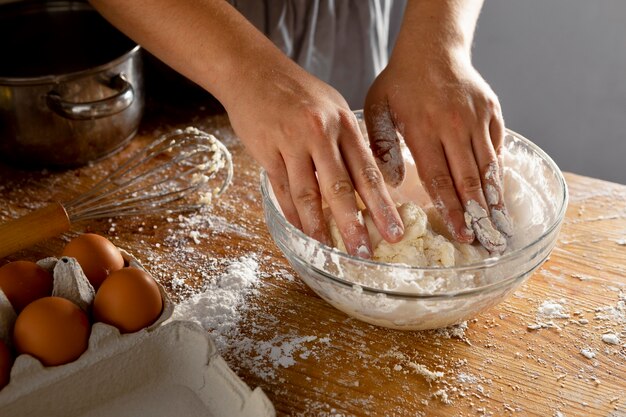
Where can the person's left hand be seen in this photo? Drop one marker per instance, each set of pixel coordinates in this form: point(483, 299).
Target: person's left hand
point(451, 122)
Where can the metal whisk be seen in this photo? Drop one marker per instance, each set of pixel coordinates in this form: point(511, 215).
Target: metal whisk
point(181, 171)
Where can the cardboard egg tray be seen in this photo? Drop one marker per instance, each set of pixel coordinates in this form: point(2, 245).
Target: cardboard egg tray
point(171, 368)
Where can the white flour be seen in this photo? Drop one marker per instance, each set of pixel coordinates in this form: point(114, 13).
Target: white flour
point(218, 308)
point(553, 310)
point(611, 339)
point(429, 375)
point(616, 314)
point(588, 353)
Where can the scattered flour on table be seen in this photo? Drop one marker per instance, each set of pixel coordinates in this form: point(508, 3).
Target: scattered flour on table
point(616, 313)
point(464, 378)
point(456, 331)
point(429, 375)
point(553, 309)
point(282, 352)
point(442, 395)
point(218, 307)
point(611, 339)
point(588, 353)
point(264, 357)
point(547, 312)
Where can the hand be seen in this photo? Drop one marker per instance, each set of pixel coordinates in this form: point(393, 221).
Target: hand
point(296, 126)
point(452, 123)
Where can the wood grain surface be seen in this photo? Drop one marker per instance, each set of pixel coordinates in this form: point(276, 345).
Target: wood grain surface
point(313, 360)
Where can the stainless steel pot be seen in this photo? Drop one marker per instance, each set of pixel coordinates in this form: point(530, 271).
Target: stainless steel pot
point(71, 87)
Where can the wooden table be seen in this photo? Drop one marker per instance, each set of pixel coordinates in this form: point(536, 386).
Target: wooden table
point(313, 360)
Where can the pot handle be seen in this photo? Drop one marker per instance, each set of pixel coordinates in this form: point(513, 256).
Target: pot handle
point(95, 109)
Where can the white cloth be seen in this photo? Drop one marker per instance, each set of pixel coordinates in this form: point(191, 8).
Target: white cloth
point(345, 43)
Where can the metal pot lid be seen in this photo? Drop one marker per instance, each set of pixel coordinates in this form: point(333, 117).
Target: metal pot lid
point(55, 39)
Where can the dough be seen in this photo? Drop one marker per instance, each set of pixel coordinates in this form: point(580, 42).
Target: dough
point(421, 246)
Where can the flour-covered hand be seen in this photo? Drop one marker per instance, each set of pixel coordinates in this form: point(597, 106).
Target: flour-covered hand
point(449, 118)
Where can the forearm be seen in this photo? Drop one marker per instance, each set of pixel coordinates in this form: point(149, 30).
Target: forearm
point(438, 25)
point(208, 41)
point(297, 127)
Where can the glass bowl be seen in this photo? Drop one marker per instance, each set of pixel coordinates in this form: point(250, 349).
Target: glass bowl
point(432, 297)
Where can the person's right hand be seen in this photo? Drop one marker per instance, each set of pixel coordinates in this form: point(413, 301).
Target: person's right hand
point(303, 133)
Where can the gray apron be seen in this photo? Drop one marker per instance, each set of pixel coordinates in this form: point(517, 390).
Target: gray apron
point(345, 43)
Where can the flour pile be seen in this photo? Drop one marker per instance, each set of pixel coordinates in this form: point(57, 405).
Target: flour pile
point(218, 308)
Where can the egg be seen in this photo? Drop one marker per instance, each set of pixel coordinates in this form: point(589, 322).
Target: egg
point(53, 330)
point(23, 282)
point(128, 299)
point(96, 255)
point(6, 361)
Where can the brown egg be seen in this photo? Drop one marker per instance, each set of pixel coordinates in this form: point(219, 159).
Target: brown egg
point(96, 255)
point(6, 361)
point(128, 299)
point(23, 282)
point(53, 330)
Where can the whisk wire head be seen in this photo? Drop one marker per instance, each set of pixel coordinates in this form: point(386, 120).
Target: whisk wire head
point(180, 171)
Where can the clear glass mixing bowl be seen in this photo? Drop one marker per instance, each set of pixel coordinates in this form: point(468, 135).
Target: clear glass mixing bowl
point(354, 285)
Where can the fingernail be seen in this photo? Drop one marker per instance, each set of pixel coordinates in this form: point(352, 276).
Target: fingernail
point(362, 251)
point(467, 233)
point(464, 235)
point(468, 219)
point(396, 231)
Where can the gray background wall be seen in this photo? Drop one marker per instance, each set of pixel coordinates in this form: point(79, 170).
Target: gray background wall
point(559, 69)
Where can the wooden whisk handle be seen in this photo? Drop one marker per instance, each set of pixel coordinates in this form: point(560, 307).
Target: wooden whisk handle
point(34, 227)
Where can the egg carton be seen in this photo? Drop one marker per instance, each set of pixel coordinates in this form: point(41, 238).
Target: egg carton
point(71, 283)
point(168, 368)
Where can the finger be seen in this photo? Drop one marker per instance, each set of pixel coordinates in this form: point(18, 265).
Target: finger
point(432, 168)
point(307, 198)
point(467, 179)
point(370, 185)
point(338, 191)
point(385, 143)
point(277, 174)
point(469, 188)
point(491, 174)
point(496, 131)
